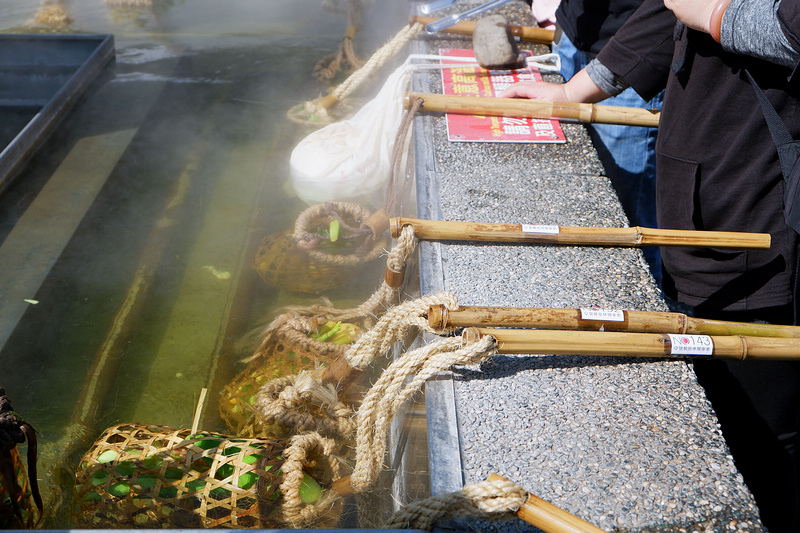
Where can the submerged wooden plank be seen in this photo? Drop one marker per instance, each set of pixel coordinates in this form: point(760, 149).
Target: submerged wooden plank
point(186, 358)
point(37, 240)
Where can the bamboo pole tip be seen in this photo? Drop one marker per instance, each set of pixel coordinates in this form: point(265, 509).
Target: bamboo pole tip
point(396, 226)
point(394, 278)
point(437, 317)
point(339, 373)
point(378, 222)
point(470, 335)
point(343, 487)
point(410, 96)
point(328, 101)
point(496, 477)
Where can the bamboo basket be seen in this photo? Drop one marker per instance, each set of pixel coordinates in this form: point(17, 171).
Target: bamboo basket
point(282, 265)
point(286, 349)
point(29, 515)
point(138, 476)
point(310, 260)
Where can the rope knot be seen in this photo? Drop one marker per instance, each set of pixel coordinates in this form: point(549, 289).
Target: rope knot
point(301, 402)
point(487, 500)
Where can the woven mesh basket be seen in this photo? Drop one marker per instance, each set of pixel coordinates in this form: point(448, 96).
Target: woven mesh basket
point(138, 476)
point(311, 259)
point(28, 513)
point(281, 264)
point(286, 350)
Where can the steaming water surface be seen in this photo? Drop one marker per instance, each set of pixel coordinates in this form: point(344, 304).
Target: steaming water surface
point(185, 142)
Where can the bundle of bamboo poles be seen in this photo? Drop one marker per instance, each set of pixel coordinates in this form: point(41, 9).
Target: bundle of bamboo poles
point(617, 333)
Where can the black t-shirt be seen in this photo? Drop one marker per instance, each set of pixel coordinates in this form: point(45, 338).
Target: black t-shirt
point(717, 166)
point(589, 24)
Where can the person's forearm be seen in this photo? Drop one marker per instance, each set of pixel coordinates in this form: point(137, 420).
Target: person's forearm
point(741, 26)
point(581, 88)
point(606, 81)
point(752, 28)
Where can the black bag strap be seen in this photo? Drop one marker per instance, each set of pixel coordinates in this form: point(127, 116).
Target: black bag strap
point(789, 155)
point(788, 151)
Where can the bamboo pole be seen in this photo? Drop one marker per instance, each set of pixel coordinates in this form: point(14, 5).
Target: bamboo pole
point(535, 511)
point(439, 230)
point(526, 34)
point(655, 345)
point(539, 109)
point(548, 517)
point(439, 318)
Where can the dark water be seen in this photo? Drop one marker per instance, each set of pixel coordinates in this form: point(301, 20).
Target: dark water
point(171, 166)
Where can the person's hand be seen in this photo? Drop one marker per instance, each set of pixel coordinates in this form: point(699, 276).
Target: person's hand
point(579, 89)
point(696, 14)
point(536, 90)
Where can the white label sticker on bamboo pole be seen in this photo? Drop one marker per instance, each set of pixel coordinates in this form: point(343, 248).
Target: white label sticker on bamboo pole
point(540, 228)
point(691, 344)
point(609, 315)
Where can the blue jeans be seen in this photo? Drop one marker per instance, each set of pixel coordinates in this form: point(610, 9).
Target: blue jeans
point(628, 153)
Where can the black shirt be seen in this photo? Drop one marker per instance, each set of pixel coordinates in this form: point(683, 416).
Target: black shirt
point(717, 166)
point(589, 24)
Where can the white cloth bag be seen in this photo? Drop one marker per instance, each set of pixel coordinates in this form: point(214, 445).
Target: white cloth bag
point(350, 161)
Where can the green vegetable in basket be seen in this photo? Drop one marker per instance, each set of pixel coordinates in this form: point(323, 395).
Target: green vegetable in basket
point(333, 229)
point(310, 490)
point(337, 333)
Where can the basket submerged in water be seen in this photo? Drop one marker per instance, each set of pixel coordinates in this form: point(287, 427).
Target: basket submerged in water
point(286, 349)
point(281, 264)
point(26, 514)
point(329, 243)
point(141, 476)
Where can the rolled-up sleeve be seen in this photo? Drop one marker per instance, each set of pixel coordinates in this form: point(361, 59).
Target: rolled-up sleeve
point(641, 51)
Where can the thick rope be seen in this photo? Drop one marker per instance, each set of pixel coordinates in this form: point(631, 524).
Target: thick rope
point(487, 500)
point(328, 66)
point(394, 326)
point(399, 381)
point(303, 451)
point(316, 112)
point(308, 240)
point(377, 60)
point(303, 403)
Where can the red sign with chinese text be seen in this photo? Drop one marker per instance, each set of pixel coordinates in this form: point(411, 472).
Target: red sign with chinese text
point(477, 81)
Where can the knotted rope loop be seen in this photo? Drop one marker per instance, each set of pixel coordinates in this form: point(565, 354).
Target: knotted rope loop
point(316, 113)
point(399, 381)
point(394, 326)
point(316, 455)
point(328, 66)
point(487, 500)
point(294, 326)
point(377, 60)
point(303, 403)
point(350, 217)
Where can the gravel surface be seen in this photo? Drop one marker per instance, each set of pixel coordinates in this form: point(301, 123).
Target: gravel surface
point(626, 444)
